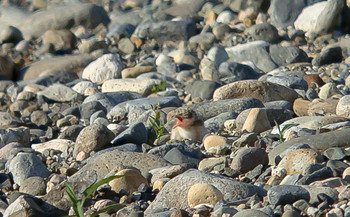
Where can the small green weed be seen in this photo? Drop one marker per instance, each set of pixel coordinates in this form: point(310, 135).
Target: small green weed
point(281, 131)
point(160, 87)
point(156, 123)
point(78, 205)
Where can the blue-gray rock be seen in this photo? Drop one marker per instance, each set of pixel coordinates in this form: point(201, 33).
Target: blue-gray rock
point(279, 104)
point(251, 212)
point(121, 29)
point(64, 17)
point(218, 55)
point(70, 132)
point(20, 135)
point(246, 159)
point(256, 51)
point(87, 109)
point(129, 147)
point(136, 133)
point(311, 94)
point(334, 153)
point(216, 124)
point(318, 175)
point(60, 93)
point(165, 30)
point(177, 156)
point(122, 109)
point(288, 81)
point(168, 69)
point(178, 188)
point(185, 8)
point(162, 150)
point(204, 89)
point(337, 167)
point(283, 13)
point(26, 165)
point(97, 114)
point(207, 110)
point(286, 55)
point(287, 194)
point(328, 55)
point(92, 138)
point(13, 16)
point(263, 31)
point(231, 71)
point(111, 99)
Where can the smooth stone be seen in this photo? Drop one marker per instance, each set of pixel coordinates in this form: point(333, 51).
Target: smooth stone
point(60, 93)
point(346, 174)
point(246, 159)
point(63, 17)
point(250, 212)
point(287, 194)
point(267, 91)
point(290, 179)
point(209, 70)
point(111, 99)
point(88, 46)
point(106, 67)
point(330, 54)
point(12, 15)
point(343, 106)
point(218, 55)
point(59, 63)
point(203, 39)
point(40, 118)
point(87, 109)
point(296, 161)
point(283, 13)
point(324, 107)
point(10, 34)
point(263, 31)
point(334, 153)
point(7, 67)
point(225, 17)
point(216, 124)
point(62, 40)
point(26, 165)
point(279, 104)
point(256, 51)
point(143, 87)
point(230, 71)
point(178, 188)
point(328, 90)
point(203, 193)
point(208, 164)
point(34, 186)
point(207, 110)
point(125, 45)
point(320, 142)
point(186, 150)
point(313, 81)
point(320, 17)
point(92, 138)
point(213, 140)
point(165, 30)
point(288, 81)
point(98, 167)
point(62, 145)
point(320, 174)
point(130, 183)
point(314, 192)
point(122, 109)
point(204, 89)
point(245, 139)
point(82, 86)
point(136, 71)
point(287, 55)
point(178, 156)
point(27, 205)
point(136, 133)
point(301, 107)
point(257, 121)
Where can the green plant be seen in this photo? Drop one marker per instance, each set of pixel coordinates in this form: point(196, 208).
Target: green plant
point(78, 205)
point(281, 131)
point(156, 123)
point(160, 87)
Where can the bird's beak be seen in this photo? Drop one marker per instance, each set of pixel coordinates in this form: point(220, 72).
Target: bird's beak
point(179, 122)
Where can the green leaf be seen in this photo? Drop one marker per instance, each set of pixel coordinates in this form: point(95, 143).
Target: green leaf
point(70, 192)
point(107, 208)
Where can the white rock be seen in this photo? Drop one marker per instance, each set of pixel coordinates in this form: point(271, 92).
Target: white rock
point(143, 87)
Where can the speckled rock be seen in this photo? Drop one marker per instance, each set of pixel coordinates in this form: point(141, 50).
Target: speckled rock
point(264, 91)
point(257, 121)
point(213, 140)
point(343, 106)
point(246, 159)
point(130, 183)
point(203, 193)
point(60, 93)
point(143, 86)
point(33, 185)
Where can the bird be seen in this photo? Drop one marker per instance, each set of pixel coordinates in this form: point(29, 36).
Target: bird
point(188, 126)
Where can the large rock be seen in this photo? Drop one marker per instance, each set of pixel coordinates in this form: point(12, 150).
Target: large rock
point(100, 165)
point(63, 17)
point(262, 90)
point(165, 30)
point(179, 186)
point(108, 66)
point(141, 86)
point(60, 63)
point(343, 107)
point(26, 165)
point(338, 138)
point(256, 51)
point(8, 120)
point(283, 13)
point(282, 55)
point(319, 18)
point(60, 93)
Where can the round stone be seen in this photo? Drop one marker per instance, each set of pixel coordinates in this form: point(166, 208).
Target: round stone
point(213, 141)
point(203, 193)
point(129, 183)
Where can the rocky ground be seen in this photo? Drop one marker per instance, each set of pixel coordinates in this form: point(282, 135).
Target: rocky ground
point(82, 80)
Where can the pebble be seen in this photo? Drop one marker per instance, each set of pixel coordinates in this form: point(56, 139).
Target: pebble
point(247, 159)
point(203, 193)
point(130, 183)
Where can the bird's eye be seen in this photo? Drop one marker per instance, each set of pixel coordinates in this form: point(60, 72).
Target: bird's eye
point(180, 118)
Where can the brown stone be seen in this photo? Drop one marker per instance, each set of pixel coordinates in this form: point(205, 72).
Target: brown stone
point(203, 193)
point(6, 66)
point(301, 107)
point(136, 71)
point(313, 80)
point(257, 121)
point(323, 107)
point(130, 183)
point(137, 42)
point(213, 140)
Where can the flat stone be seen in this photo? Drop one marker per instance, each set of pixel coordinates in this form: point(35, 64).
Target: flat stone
point(60, 93)
point(179, 186)
point(208, 164)
point(106, 67)
point(230, 71)
point(287, 194)
point(247, 159)
point(136, 71)
point(34, 186)
point(343, 106)
point(264, 91)
point(256, 51)
point(143, 87)
point(130, 183)
point(263, 31)
point(136, 133)
point(61, 145)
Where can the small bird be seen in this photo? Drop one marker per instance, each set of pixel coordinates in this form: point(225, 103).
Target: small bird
point(188, 126)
